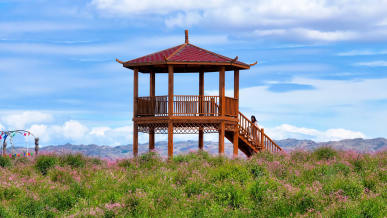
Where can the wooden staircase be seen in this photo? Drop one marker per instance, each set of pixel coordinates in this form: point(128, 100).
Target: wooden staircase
point(252, 139)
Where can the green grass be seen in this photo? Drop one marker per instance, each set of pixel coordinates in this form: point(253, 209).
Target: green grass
point(324, 182)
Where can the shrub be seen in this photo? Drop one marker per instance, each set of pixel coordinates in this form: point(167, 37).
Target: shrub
point(325, 153)
point(9, 193)
point(78, 190)
point(193, 188)
point(374, 207)
point(149, 160)
point(3, 212)
point(95, 161)
point(5, 161)
point(300, 155)
point(262, 187)
point(45, 162)
point(257, 170)
point(235, 172)
point(73, 160)
point(231, 195)
point(350, 187)
point(29, 207)
point(303, 202)
point(63, 200)
point(126, 163)
point(61, 176)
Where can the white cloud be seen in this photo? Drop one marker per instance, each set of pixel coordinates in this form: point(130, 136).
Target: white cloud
point(372, 64)
point(308, 34)
point(1, 127)
point(99, 131)
point(331, 103)
point(285, 131)
point(362, 52)
point(40, 130)
point(299, 19)
point(74, 130)
point(20, 120)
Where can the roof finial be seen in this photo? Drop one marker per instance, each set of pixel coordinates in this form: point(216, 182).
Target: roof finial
point(186, 36)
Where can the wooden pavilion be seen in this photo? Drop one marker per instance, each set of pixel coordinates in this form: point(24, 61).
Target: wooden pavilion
point(188, 114)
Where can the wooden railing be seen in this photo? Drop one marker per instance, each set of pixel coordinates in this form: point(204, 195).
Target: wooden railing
point(185, 105)
point(195, 105)
point(151, 106)
point(255, 135)
point(231, 106)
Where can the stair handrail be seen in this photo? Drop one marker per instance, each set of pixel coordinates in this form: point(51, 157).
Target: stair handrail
point(267, 143)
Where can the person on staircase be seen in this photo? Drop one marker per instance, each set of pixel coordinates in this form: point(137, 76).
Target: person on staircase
point(254, 129)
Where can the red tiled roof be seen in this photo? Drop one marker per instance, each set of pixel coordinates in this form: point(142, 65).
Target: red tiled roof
point(155, 57)
point(184, 53)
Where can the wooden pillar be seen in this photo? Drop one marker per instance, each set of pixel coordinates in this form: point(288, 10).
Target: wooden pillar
point(236, 141)
point(236, 89)
point(152, 93)
point(221, 91)
point(222, 109)
point(221, 138)
point(170, 139)
point(201, 96)
point(135, 127)
point(170, 111)
point(236, 96)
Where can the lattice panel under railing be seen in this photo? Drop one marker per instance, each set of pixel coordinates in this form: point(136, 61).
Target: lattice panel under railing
point(179, 128)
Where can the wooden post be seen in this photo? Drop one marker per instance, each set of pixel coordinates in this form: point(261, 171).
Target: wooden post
point(170, 90)
point(221, 91)
point(170, 111)
point(135, 127)
point(236, 141)
point(152, 93)
point(236, 96)
point(263, 139)
point(236, 89)
point(201, 96)
point(170, 139)
point(222, 108)
point(221, 138)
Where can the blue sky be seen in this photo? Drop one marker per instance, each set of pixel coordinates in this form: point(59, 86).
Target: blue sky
point(321, 72)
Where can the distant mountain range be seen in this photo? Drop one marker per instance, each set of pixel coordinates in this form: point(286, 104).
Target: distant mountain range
point(180, 147)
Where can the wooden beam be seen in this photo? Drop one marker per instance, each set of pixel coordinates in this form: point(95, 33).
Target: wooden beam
point(135, 139)
point(221, 138)
point(135, 91)
point(222, 91)
point(170, 139)
point(170, 110)
point(170, 90)
point(236, 141)
point(135, 96)
point(152, 93)
point(236, 89)
point(201, 94)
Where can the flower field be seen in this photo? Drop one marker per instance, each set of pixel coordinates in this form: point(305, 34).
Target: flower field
point(323, 183)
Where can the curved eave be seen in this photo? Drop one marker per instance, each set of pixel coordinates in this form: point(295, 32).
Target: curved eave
point(184, 67)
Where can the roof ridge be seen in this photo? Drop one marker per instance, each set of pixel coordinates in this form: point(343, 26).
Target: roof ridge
point(177, 50)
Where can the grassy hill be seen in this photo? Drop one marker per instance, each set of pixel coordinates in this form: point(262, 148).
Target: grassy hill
point(320, 183)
